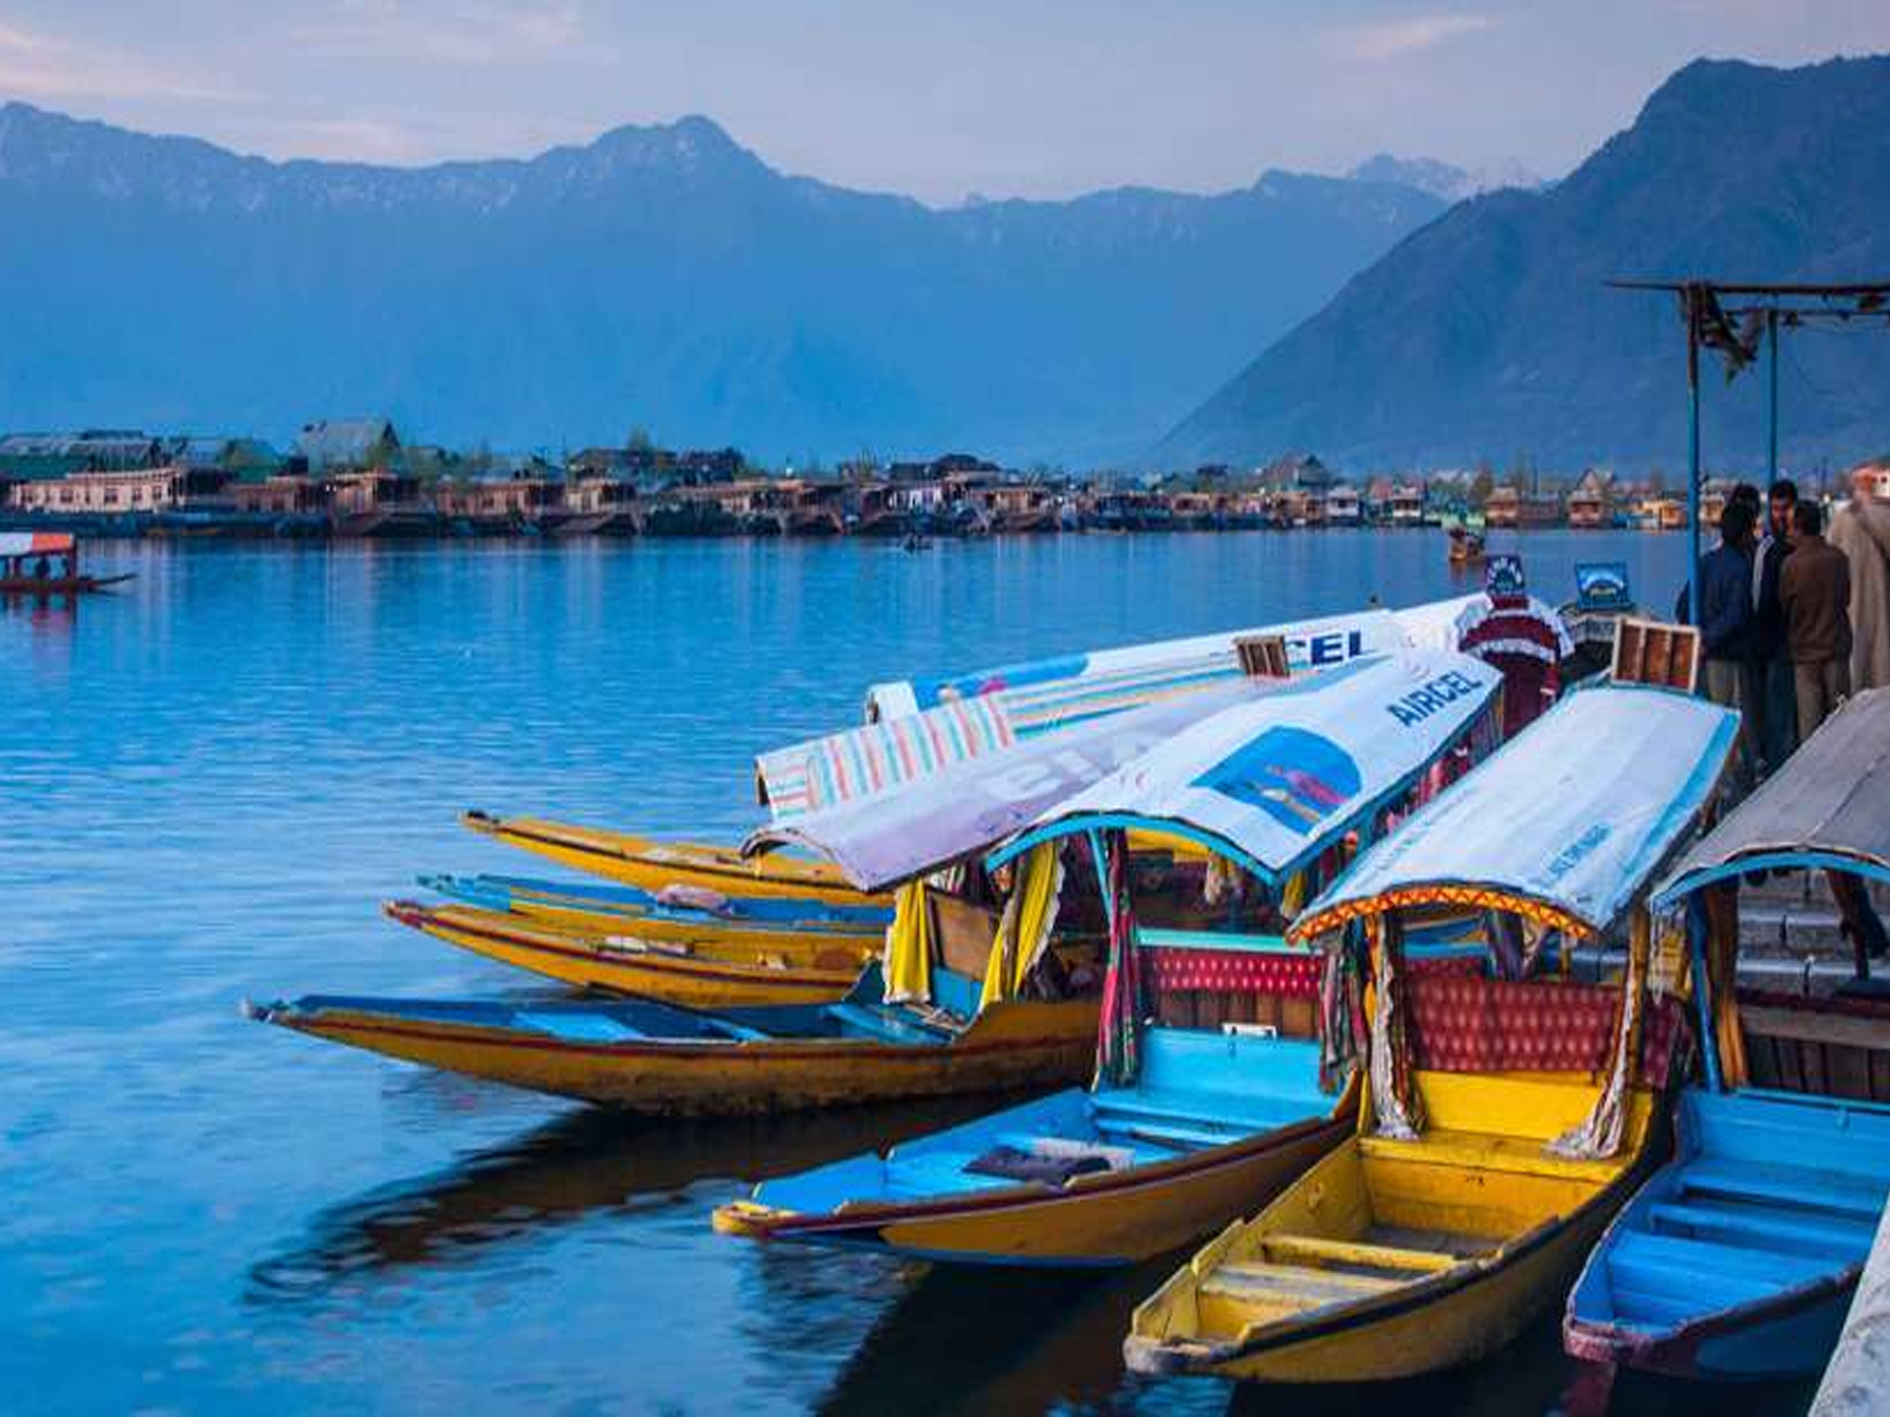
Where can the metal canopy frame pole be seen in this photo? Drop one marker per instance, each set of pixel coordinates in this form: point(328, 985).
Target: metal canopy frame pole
point(1691, 296)
point(1771, 397)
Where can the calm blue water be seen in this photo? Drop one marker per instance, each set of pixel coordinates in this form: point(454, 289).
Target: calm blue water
point(208, 782)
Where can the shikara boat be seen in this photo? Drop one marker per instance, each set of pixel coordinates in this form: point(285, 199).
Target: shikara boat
point(653, 865)
point(591, 905)
point(1216, 1101)
point(656, 958)
point(1507, 1118)
point(1739, 1258)
point(27, 566)
point(660, 1060)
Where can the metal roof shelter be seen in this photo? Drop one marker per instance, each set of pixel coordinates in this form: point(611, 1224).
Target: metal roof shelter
point(1732, 318)
point(1828, 808)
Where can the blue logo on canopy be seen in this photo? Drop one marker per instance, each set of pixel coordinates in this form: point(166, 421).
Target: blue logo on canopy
point(1295, 777)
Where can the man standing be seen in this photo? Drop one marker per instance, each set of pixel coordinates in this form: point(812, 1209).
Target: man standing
point(1772, 655)
point(1815, 597)
point(1725, 582)
point(1862, 532)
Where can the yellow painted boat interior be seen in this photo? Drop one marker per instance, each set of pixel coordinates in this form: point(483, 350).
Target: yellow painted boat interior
point(699, 973)
point(1373, 1265)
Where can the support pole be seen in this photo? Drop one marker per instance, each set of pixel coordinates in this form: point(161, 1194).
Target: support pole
point(1692, 296)
point(1771, 401)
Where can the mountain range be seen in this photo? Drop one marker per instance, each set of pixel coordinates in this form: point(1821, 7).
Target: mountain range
point(1490, 332)
point(660, 277)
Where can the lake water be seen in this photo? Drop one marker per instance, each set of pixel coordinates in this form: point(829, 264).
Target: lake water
point(209, 780)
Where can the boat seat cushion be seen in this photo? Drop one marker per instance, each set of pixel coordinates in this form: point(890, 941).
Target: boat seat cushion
point(1469, 1024)
point(1277, 974)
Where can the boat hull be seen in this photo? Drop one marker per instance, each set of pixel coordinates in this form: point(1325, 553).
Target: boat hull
point(1112, 1219)
point(652, 865)
point(699, 974)
point(1346, 1319)
point(1737, 1261)
point(1009, 1047)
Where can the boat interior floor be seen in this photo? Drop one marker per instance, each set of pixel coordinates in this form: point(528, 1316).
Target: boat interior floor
point(1725, 1234)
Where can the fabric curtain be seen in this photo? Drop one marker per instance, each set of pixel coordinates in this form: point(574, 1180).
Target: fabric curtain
point(1118, 1046)
point(1396, 1106)
point(1342, 1026)
point(1599, 1135)
point(1023, 931)
point(908, 958)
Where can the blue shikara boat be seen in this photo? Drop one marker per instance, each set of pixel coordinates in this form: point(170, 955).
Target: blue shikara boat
point(1739, 1258)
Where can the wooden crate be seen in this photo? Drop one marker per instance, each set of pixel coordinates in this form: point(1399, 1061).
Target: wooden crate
point(1654, 652)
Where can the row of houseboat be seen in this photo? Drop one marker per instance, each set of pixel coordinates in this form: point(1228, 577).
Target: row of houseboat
point(358, 479)
point(388, 502)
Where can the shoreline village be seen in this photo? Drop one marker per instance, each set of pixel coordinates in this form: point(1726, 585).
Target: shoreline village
point(357, 478)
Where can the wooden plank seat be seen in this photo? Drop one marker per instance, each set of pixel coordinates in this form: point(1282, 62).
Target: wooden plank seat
point(1291, 1285)
point(1786, 1229)
point(1664, 1279)
point(1352, 1255)
point(1799, 1187)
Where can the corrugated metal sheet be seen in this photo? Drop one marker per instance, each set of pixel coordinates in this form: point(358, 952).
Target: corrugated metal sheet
point(1830, 800)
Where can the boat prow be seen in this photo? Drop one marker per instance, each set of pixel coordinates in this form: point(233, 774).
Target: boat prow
point(654, 865)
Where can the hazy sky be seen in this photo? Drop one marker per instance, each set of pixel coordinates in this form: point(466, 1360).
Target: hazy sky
point(1022, 97)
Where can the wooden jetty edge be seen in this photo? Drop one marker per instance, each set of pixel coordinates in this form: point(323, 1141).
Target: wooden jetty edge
point(1859, 1375)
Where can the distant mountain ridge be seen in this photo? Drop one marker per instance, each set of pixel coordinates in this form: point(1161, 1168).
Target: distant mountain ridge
point(1443, 179)
point(1490, 333)
point(662, 276)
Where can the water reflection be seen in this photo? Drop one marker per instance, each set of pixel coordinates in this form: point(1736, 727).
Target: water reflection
point(581, 1164)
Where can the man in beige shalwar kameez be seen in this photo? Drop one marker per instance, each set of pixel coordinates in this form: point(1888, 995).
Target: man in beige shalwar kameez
point(1862, 532)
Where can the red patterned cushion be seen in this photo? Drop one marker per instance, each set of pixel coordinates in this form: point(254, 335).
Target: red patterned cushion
point(1464, 1024)
point(1294, 976)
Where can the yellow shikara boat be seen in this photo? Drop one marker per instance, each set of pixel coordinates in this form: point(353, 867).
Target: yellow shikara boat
point(1506, 1119)
point(701, 970)
point(659, 1060)
point(654, 865)
point(797, 928)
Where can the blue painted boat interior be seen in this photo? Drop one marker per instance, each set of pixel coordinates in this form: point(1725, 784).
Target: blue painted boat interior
point(1768, 1192)
point(497, 892)
point(860, 1015)
point(1196, 1090)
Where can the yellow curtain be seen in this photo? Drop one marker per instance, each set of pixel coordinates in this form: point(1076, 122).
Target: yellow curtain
point(1293, 897)
point(1024, 929)
point(908, 959)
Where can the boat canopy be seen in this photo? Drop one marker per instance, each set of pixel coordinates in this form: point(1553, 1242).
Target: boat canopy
point(919, 726)
point(1564, 825)
point(1045, 694)
point(15, 544)
point(914, 827)
point(1271, 780)
point(1828, 807)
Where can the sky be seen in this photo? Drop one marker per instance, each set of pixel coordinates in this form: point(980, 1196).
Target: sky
point(997, 98)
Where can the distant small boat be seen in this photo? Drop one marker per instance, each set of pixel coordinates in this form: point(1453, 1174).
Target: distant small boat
point(1466, 547)
point(26, 565)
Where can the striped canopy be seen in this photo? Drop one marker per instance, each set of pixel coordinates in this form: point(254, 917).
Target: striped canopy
point(1264, 772)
